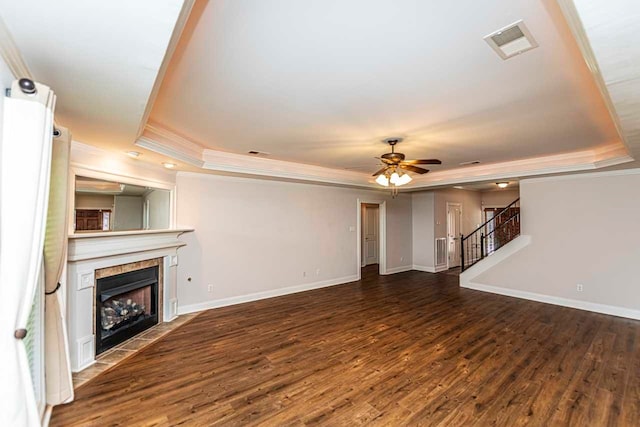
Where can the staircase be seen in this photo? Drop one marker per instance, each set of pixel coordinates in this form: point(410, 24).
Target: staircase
point(490, 236)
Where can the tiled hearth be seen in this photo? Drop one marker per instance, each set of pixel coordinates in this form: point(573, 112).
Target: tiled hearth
point(112, 357)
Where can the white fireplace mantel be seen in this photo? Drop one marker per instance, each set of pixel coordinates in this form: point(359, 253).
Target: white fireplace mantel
point(89, 252)
point(84, 246)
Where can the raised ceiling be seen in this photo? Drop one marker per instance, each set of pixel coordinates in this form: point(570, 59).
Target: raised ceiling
point(318, 84)
point(322, 83)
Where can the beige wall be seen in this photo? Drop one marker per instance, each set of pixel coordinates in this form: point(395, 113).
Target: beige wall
point(499, 198)
point(423, 211)
point(471, 210)
point(127, 214)
point(585, 229)
point(429, 212)
point(258, 236)
point(94, 201)
point(159, 203)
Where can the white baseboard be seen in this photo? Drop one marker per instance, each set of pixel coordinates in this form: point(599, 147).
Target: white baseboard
point(550, 299)
point(206, 305)
point(400, 269)
point(428, 269)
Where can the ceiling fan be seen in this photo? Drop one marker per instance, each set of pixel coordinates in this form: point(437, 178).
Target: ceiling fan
point(395, 164)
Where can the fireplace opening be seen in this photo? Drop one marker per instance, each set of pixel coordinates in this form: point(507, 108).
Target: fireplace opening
point(126, 305)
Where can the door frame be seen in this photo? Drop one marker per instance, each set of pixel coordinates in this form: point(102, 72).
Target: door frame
point(457, 204)
point(362, 237)
point(382, 234)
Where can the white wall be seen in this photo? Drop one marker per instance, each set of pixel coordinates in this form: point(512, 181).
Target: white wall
point(499, 198)
point(261, 236)
point(423, 222)
point(585, 229)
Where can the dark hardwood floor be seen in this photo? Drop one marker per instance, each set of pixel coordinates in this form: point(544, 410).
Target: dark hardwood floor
point(406, 349)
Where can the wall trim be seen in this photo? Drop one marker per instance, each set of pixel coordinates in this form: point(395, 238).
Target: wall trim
point(224, 302)
point(400, 269)
point(169, 151)
point(620, 172)
point(564, 302)
point(429, 269)
point(11, 54)
point(576, 161)
point(163, 141)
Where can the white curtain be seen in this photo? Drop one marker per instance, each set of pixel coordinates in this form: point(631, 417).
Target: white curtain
point(59, 385)
point(27, 126)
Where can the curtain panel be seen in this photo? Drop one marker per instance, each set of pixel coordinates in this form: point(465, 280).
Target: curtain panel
point(59, 385)
point(27, 126)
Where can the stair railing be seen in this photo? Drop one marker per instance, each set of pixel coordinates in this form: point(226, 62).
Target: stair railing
point(490, 236)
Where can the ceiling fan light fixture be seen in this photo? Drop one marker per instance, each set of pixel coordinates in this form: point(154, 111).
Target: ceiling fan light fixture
point(394, 178)
point(404, 179)
point(382, 180)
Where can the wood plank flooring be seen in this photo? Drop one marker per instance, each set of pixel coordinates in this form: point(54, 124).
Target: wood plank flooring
point(408, 349)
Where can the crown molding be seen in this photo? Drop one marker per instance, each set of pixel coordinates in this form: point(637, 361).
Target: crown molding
point(181, 22)
point(11, 54)
point(599, 157)
point(576, 27)
point(240, 163)
point(161, 140)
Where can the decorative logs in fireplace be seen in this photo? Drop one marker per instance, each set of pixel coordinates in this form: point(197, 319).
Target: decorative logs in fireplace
point(126, 305)
point(116, 312)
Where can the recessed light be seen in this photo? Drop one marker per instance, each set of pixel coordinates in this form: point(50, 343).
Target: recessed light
point(502, 184)
point(169, 165)
point(133, 154)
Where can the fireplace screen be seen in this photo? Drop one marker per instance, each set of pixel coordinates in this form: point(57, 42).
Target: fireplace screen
point(126, 304)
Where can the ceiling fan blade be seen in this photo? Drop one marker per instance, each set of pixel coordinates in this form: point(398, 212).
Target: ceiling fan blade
point(387, 161)
point(381, 171)
point(422, 162)
point(414, 169)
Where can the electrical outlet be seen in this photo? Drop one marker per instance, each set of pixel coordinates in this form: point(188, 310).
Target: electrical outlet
point(304, 274)
point(210, 288)
point(579, 287)
point(318, 272)
point(401, 259)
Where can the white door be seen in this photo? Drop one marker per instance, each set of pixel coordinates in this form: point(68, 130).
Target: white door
point(370, 220)
point(454, 222)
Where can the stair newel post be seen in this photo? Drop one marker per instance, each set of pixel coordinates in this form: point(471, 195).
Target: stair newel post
point(461, 252)
point(481, 245)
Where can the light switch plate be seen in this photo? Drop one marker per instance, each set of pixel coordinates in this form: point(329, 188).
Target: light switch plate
point(173, 260)
point(352, 228)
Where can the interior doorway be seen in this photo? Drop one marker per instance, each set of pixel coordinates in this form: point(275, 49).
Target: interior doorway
point(370, 234)
point(454, 229)
point(371, 241)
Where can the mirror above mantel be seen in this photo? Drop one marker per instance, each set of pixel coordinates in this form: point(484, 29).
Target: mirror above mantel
point(102, 205)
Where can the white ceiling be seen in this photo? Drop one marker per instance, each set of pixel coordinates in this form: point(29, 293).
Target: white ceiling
point(322, 82)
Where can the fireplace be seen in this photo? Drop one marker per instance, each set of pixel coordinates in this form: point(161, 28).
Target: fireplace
point(126, 305)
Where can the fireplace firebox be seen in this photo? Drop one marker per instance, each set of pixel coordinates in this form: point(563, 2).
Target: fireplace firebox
point(126, 305)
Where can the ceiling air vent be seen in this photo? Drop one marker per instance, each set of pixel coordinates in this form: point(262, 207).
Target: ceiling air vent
point(511, 40)
point(258, 153)
point(472, 162)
